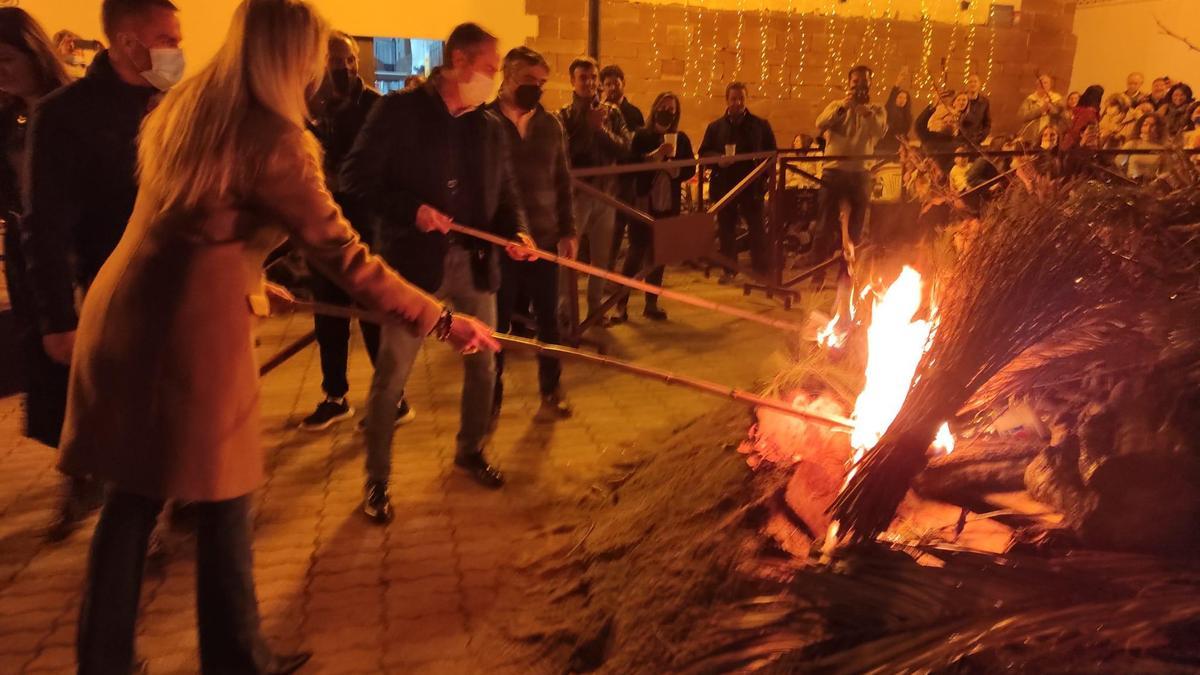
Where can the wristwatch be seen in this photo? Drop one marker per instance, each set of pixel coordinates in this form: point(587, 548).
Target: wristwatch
point(441, 329)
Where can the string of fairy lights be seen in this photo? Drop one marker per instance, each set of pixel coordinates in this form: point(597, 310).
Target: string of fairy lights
point(954, 20)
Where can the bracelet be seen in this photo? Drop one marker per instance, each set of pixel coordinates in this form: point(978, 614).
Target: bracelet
point(441, 329)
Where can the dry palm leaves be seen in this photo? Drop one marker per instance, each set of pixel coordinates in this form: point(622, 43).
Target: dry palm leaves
point(882, 613)
point(1039, 262)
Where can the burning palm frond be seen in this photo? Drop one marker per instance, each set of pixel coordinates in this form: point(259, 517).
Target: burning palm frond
point(1038, 263)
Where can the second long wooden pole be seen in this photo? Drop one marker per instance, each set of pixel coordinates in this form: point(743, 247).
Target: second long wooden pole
point(685, 298)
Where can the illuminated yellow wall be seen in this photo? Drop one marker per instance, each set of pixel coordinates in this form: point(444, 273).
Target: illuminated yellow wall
point(205, 21)
point(1117, 37)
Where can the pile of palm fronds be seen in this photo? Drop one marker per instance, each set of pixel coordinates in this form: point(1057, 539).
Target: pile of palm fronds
point(1042, 268)
point(880, 612)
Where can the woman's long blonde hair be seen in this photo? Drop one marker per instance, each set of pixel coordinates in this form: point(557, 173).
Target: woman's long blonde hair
point(198, 144)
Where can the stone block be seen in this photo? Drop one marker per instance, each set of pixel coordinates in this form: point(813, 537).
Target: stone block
point(573, 29)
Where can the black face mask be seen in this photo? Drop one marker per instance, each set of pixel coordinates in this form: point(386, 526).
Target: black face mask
point(664, 118)
point(527, 96)
point(862, 94)
point(341, 80)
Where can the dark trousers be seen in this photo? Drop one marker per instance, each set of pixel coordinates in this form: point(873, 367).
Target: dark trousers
point(226, 607)
point(749, 206)
point(333, 337)
point(849, 188)
point(641, 253)
point(538, 281)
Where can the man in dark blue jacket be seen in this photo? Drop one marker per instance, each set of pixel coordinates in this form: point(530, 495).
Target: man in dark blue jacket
point(425, 159)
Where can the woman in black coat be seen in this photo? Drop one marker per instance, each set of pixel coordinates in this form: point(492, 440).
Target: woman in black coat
point(657, 192)
point(29, 69)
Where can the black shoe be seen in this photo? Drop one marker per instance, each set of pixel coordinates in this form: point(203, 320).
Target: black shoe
point(404, 415)
point(727, 278)
point(554, 407)
point(328, 412)
point(621, 316)
point(485, 474)
point(654, 314)
point(286, 665)
point(376, 506)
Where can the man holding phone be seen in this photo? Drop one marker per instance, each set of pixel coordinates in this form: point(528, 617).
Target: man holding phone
point(596, 136)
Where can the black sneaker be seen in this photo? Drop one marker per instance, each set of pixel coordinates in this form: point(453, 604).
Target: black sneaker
point(727, 278)
point(478, 468)
point(376, 506)
point(554, 407)
point(328, 413)
point(404, 415)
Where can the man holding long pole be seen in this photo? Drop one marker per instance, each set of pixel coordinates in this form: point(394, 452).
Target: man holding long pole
point(425, 159)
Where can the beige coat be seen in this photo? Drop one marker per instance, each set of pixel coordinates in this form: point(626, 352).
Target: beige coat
point(164, 386)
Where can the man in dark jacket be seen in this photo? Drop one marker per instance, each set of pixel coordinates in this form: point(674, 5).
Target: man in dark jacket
point(426, 159)
point(596, 137)
point(339, 111)
point(82, 173)
point(739, 131)
point(612, 86)
point(976, 120)
point(539, 158)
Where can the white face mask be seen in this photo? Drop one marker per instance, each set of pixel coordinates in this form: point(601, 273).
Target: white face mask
point(476, 91)
point(166, 68)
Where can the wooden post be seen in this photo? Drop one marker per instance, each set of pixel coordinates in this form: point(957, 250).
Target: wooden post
point(593, 46)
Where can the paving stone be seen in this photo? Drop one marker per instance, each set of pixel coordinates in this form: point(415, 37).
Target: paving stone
point(53, 660)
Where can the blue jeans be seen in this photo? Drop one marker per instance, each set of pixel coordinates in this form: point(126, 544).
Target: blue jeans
point(398, 348)
point(226, 608)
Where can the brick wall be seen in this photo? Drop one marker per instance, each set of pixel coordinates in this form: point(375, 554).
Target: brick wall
point(1042, 40)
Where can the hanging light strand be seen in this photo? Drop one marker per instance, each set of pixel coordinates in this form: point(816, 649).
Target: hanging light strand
point(655, 55)
point(764, 34)
point(926, 47)
point(830, 42)
point(716, 54)
point(969, 61)
point(868, 39)
point(841, 51)
point(785, 89)
point(688, 59)
point(888, 45)
point(987, 82)
point(741, 29)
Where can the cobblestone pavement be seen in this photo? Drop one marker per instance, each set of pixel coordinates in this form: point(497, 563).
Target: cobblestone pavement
point(410, 597)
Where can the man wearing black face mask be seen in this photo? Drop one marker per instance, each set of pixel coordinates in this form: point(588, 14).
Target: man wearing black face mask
point(539, 158)
point(339, 111)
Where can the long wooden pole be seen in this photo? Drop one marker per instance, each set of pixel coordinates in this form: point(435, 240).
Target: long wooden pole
point(685, 298)
point(557, 351)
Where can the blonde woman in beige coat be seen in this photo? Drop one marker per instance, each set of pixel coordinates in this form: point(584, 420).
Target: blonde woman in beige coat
point(163, 399)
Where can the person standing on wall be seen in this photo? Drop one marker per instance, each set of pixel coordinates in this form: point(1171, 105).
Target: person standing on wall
point(852, 126)
point(339, 111)
point(739, 132)
point(596, 137)
point(426, 159)
point(976, 121)
point(612, 86)
point(1043, 108)
point(82, 179)
point(539, 159)
point(658, 193)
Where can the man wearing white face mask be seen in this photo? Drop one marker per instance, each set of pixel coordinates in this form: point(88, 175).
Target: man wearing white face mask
point(427, 158)
point(82, 179)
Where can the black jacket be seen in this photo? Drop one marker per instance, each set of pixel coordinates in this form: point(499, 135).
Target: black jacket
point(634, 119)
point(411, 152)
point(646, 141)
point(543, 178)
point(588, 147)
point(81, 186)
point(752, 134)
point(336, 128)
point(977, 120)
